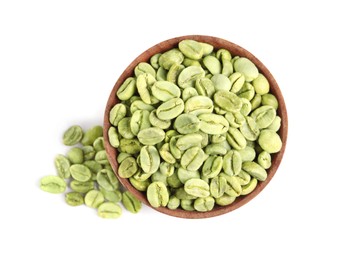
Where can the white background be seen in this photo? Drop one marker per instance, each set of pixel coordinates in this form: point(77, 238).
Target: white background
point(58, 63)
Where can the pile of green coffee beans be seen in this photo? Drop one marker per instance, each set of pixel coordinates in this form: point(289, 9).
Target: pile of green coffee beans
point(195, 127)
point(86, 170)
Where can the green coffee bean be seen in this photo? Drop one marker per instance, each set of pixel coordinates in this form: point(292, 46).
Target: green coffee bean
point(181, 194)
point(173, 203)
point(275, 125)
point(269, 100)
point(127, 89)
point(80, 172)
point(264, 159)
point(256, 101)
point(270, 141)
point(170, 109)
point(235, 119)
point(216, 149)
point(166, 155)
point(212, 166)
point(197, 188)
point(94, 198)
point(53, 184)
point(75, 155)
point(184, 175)
point(204, 204)
point(159, 177)
point(62, 165)
point(101, 157)
point(169, 58)
point(189, 75)
point(247, 154)
point(82, 187)
point(213, 124)
point(174, 72)
point(149, 159)
point(189, 92)
point(98, 144)
point(131, 203)
point(192, 158)
point(264, 116)
point(212, 64)
point(74, 198)
point(107, 180)
point(151, 135)
point(198, 105)
point(117, 113)
point(250, 129)
point(243, 178)
point(128, 167)
point(261, 85)
point(187, 204)
point(73, 135)
point(246, 107)
point(139, 185)
point(225, 200)
point(247, 91)
point(254, 170)
point(187, 123)
point(232, 163)
point(248, 188)
point(91, 135)
point(139, 121)
point(221, 82)
point(144, 84)
point(154, 60)
point(174, 181)
point(234, 188)
point(157, 194)
point(189, 140)
point(236, 139)
point(155, 121)
point(205, 87)
point(130, 146)
point(228, 101)
point(237, 80)
point(247, 68)
point(89, 152)
point(191, 49)
point(113, 137)
point(140, 105)
point(109, 210)
point(144, 67)
point(166, 168)
point(165, 90)
point(218, 186)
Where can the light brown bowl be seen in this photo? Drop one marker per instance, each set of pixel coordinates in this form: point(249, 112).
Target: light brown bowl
point(235, 50)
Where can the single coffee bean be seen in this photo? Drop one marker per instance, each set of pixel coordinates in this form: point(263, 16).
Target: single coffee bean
point(197, 187)
point(73, 135)
point(74, 198)
point(80, 172)
point(157, 194)
point(62, 165)
point(131, 203)
point(94, 198)
point(91, 135)
point(109, 210)
point(53, 184)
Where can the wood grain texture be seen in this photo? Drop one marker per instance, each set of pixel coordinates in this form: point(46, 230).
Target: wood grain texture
point(235, 50)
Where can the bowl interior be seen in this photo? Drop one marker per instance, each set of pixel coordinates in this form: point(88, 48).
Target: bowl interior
point(234, 50)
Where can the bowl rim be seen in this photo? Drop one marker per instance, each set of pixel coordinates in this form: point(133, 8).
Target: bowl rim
point(235, 50)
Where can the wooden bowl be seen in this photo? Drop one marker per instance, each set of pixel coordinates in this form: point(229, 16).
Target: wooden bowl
point(235, 50)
